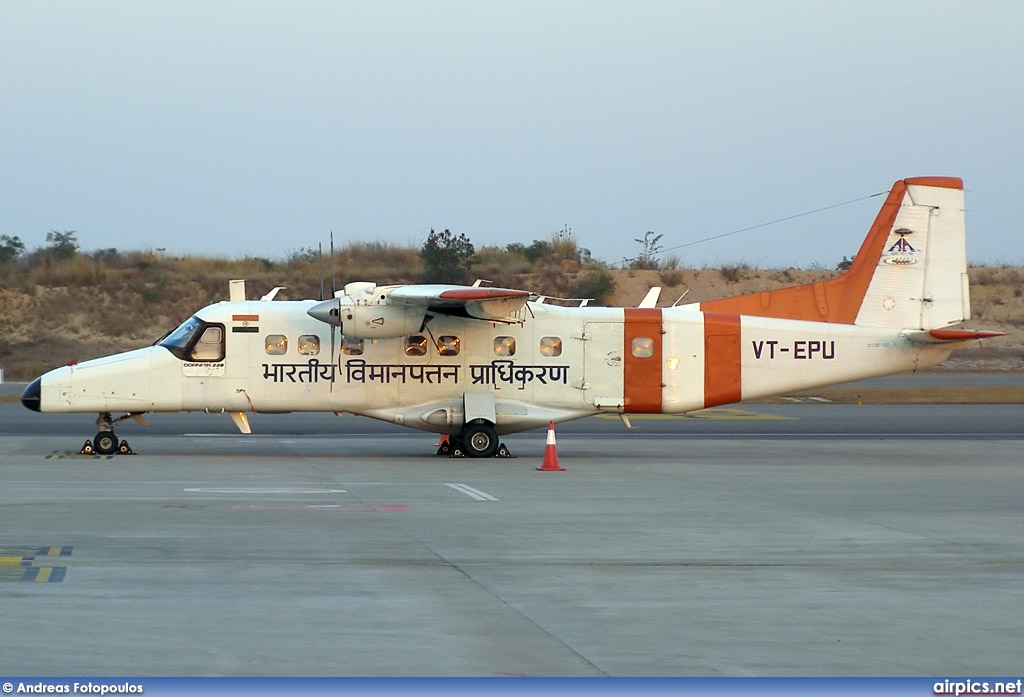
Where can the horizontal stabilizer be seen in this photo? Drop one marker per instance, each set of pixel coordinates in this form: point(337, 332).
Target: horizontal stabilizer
point(945, 336)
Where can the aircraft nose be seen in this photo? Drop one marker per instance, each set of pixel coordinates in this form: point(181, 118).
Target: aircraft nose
point(31, 396)
point(326, 312)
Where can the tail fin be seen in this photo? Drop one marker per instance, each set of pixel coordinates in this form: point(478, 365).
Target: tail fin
point(910, 272)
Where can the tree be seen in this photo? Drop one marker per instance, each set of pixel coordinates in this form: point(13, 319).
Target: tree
point(649, 250)
point(11, 249)
point(446, 257)
point(63, 245)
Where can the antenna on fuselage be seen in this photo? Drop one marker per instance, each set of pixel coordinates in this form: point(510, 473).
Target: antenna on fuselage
point(236, 290)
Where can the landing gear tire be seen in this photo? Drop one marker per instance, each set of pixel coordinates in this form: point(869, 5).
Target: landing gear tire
point(105, 443)
point(479, 439)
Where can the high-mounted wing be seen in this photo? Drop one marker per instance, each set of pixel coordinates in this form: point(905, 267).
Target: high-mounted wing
point(366, 311)
point(492, 304)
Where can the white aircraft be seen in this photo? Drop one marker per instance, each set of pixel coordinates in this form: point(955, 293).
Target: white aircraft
point(476, 363)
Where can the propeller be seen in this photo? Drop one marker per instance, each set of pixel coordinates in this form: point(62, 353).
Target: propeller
point(335, 357)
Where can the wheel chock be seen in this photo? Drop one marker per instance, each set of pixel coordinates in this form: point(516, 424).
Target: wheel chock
point(502, 451)
point(87, 449)
point(457, 451)
point(125, 449)
point(444, 448)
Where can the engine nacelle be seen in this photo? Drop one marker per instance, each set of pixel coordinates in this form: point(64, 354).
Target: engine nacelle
point(380, 321)
point(364, 312)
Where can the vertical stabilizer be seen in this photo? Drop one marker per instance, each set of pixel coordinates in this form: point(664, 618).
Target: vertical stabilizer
point(919, 280)
point(910, 271)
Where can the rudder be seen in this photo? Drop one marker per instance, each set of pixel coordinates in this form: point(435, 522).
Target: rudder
point(920, 277)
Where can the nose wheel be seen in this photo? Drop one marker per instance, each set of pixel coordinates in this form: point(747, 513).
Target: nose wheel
point(106, 441)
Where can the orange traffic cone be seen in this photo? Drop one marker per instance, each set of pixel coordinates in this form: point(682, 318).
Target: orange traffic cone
point(550, 453)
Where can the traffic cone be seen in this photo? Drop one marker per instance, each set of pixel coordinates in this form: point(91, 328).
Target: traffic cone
point(550, 453)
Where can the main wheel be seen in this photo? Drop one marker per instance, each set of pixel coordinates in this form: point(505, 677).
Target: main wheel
point(105, 443)
point(479, 439)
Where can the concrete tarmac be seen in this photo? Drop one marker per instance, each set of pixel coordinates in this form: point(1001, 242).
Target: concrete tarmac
point(677, 549)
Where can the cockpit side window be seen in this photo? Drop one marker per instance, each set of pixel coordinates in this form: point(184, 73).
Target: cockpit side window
point(210, 345)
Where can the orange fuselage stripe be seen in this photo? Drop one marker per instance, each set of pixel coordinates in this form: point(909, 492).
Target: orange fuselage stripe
point(642, 385)
point(722, 364)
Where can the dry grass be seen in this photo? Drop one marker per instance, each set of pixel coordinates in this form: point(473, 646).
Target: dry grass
point(56, 310)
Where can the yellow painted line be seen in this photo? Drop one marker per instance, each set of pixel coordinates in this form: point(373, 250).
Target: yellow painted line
point(68, 455)
point(737, 415)
point(716, 414)
point(11, 561)
point(43, 575)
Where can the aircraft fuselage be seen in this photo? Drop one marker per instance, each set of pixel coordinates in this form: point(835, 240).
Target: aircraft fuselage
point(553, 364)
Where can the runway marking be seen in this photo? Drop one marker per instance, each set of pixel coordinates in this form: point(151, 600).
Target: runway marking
point(394, 508)
point(262, 490)
point(471, 492)
point(18, 564)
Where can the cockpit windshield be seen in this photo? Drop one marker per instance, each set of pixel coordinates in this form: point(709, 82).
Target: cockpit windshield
point(196, 340)
point(177, 341)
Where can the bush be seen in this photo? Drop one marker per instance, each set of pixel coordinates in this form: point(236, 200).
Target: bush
point(596, 283)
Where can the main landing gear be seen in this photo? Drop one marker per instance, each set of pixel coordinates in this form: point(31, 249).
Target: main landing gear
point(477, 439)
point(106, 441)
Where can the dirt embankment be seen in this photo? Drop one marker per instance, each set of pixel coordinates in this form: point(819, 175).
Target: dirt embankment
point(45, 327)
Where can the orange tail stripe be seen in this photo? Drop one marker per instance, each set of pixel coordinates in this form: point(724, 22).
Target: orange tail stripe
point(642, 385)
point(722, 365)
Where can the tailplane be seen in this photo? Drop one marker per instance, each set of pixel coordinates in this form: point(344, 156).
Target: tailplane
point(910, 272)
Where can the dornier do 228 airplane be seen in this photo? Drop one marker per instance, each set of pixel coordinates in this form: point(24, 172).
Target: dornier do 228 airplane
point(479, 362)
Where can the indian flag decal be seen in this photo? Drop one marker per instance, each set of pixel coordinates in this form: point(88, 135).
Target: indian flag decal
point(245, 324)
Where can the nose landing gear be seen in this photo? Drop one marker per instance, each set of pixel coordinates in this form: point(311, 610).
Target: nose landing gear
point(106, 441)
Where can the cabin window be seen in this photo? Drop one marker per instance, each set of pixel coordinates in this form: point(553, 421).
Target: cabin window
point(210, 345)
point(351, 347)
point(309, 345)
point(416, 345)
point(643, 347)
point(448, 346)
point(276, 344)
point(504, 346)
point(550, 346)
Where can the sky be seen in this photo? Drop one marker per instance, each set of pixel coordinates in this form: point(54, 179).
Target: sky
point(257, 128)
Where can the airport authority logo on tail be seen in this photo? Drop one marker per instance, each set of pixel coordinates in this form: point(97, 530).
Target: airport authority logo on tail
point(901, 253)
